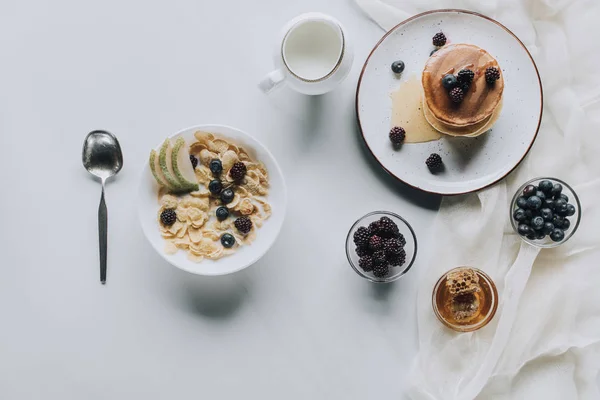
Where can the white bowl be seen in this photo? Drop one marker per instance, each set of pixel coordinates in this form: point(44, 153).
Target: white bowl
point(245, 256)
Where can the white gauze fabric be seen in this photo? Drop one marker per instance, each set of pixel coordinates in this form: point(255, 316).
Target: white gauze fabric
point(544, 342)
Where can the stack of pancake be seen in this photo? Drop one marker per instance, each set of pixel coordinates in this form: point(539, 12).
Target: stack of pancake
point(482, 101)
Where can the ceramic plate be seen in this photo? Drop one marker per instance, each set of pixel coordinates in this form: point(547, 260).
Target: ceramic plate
point(245, 256)
point(471, 163)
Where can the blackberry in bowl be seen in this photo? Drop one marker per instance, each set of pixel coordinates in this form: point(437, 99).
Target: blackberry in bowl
point(381, 246)
point(545, 212)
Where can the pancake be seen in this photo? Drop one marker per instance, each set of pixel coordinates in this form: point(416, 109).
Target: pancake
point(480, 100)
point(470, 131)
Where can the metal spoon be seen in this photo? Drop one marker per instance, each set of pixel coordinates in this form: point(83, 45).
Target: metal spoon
point(102, 157)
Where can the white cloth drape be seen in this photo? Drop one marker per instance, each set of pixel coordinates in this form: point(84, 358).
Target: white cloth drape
point(544, 342)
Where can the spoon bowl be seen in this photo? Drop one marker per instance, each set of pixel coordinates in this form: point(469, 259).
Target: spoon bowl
point(102, 157)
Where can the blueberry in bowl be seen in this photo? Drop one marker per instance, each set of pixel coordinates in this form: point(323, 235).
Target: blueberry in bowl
point(545, 212)
point(381, 246)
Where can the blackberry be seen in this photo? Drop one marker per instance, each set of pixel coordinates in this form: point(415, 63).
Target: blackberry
point(238, 171)
point(243, 224)
point(227, 240)
point(373, 228)
point(222, 213)
point(439, 39)
point(363, 251)
point(387, 228)
point(381, 270)
point(401, 239)
point(464, 86)
point(366, 263)
point(465, 76)
point(216, 166)
point(361, 237)
point(168, 217)
point(375, 243)
point(194, 161)
point(379, 257)
point(396, 260)
point(492, 74)
point(392, 246)
point(434, 162)
point(457, 95)
point(397, 135)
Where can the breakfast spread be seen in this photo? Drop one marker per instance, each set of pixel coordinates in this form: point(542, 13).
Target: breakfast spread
point(212, 196)
point(543, 210)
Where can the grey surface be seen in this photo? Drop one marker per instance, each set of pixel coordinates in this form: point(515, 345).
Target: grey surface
point(300, 324)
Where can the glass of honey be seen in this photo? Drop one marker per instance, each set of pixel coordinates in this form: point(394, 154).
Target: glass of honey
point(465, 299)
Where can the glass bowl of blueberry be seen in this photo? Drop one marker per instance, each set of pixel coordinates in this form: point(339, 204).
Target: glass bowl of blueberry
point(545, 212)
point(381, 246)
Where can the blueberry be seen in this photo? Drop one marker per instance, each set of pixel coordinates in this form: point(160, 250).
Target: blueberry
point(449, 81)
point(534, 203)
point(547, 214)
point(549, 203)
point(566, 224)
point(432, 51)
point(227, 240)
point(548, 228)
point(541, 195)
point(558, 220)
point(557, 235)
point(545, 186)
point(564, 197)
point(529, 190)
point(398, 66)
point(539, 235)
point(524, 230)
point(522, 202)
point(519, 214)
point(215, 166)
point(222, 213)
point(570, 210)
point(556, 190)
point(560, 206)
point(227, 196)
point(528, 214)
point(215, 186)
point(537, 223)
point(531, 236)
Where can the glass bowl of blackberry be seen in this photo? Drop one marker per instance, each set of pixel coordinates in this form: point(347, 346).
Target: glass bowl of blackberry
point(381, 246)
point(545, 212)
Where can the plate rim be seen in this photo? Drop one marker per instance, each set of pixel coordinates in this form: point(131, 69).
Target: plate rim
point(444, 11)
point(277, 230)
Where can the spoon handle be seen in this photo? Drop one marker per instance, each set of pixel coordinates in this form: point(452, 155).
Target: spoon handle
point(103, 235)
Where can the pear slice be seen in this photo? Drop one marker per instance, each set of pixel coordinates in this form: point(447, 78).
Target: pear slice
point(166, 167)
point(182, 167)
point(156, 171)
